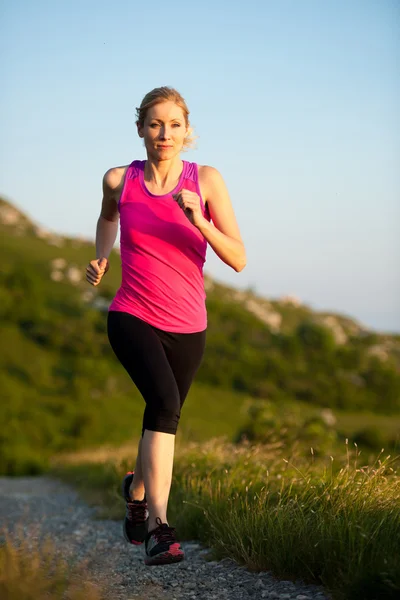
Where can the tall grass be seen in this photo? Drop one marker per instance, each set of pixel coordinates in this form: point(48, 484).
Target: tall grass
point(337, 529)
point(334, 521)
point(32, 572)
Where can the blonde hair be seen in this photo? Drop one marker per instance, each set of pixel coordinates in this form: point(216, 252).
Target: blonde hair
point(165, 94)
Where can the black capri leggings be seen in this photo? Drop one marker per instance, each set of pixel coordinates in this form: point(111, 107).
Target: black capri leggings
point(161, 364)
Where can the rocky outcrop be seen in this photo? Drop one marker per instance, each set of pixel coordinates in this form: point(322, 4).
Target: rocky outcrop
point(60, 270)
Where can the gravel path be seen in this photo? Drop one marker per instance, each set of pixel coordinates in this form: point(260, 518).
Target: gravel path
point(50, 508)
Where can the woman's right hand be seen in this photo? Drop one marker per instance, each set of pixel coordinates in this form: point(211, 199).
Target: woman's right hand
point(96, 269)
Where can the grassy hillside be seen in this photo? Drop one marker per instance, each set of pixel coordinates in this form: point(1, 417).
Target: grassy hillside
point(270, 365)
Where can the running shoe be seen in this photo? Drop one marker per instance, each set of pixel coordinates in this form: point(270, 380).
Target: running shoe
point(137, 514)
point(161, 545)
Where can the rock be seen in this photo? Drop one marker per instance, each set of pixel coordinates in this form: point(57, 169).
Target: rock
point(74, 274)
point(190, 585)
point(58, 263)
point(55, 510)
point(57, 275)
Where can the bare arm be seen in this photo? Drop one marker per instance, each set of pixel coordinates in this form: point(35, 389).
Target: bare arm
point(223, 233)
point(107, 224)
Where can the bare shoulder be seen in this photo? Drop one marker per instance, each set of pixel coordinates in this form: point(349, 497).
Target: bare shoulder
point(113, 181)
point(208, 174)
point(211, 182)
point(114, 178)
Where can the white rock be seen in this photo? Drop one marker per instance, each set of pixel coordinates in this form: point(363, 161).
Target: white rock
point(58, 263)
point(338, 332)
point(74, 274)
point(291, 299)
point(379, 352)
point(269, 317)
point(208, 284)
point(9, 215)
point(41, 232)
point(328, 417)
point(57, 275)
point(55, 240)
point(101, 304)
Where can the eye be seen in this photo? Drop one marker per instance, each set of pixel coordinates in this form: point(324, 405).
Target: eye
point(176, 124)
point(154, 125)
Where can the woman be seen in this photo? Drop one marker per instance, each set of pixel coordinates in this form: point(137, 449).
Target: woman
point(157, 320)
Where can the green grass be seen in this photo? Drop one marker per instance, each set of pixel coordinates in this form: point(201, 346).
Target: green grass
point(63, 388)
point(354, 421)
point(334, 521)
point(383, 430)
point(212, 412)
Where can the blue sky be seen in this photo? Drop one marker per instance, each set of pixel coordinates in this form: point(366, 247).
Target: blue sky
point(296, 103)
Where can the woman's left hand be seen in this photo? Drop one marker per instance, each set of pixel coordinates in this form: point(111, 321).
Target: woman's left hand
point(191, 206)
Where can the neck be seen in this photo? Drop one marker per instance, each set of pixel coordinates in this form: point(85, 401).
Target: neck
point(163, 173)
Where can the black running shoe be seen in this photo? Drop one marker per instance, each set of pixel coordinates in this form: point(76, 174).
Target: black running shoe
point(161, 545)
point(137, 514)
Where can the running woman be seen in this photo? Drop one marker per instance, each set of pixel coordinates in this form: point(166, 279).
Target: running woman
point(169, 210)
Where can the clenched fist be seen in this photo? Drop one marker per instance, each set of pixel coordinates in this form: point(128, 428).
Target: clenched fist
point(96, 269)
point(191, 206)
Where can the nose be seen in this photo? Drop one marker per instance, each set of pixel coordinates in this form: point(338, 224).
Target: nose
point(165, 132)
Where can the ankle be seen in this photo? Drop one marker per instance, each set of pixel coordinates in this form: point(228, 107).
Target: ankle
point(136, 494)
point(135, 498)
point(153, 524)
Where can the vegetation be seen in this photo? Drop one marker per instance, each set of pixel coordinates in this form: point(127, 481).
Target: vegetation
point(63, 389)
point(29, 572)
point(283, 384)
point(333, 521)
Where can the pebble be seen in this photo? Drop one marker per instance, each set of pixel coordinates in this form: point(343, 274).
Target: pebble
point(51, 508)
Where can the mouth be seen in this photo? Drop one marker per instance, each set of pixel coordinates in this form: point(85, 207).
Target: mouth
point(163, 146)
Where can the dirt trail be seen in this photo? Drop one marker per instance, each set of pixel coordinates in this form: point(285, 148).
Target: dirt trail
point(45, 507)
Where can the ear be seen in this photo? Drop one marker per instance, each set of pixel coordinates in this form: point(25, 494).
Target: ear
point(140, 130)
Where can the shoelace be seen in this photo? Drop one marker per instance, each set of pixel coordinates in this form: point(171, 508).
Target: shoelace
point(136, 511)
point(164, 533)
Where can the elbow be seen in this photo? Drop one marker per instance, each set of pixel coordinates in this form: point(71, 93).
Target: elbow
point(240, 265)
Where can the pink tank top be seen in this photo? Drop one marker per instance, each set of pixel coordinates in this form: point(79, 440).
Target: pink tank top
point(162, 255)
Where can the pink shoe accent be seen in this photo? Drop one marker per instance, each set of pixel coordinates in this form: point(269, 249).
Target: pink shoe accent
point(175, 549)
point(165, 559)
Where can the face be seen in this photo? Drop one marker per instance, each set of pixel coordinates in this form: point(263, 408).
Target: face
point(164, 130)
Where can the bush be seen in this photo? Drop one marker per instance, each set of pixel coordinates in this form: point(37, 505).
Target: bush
point(288, 424)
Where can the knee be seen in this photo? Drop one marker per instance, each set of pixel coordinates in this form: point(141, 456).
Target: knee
point(165, 423)
point(162, 416)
